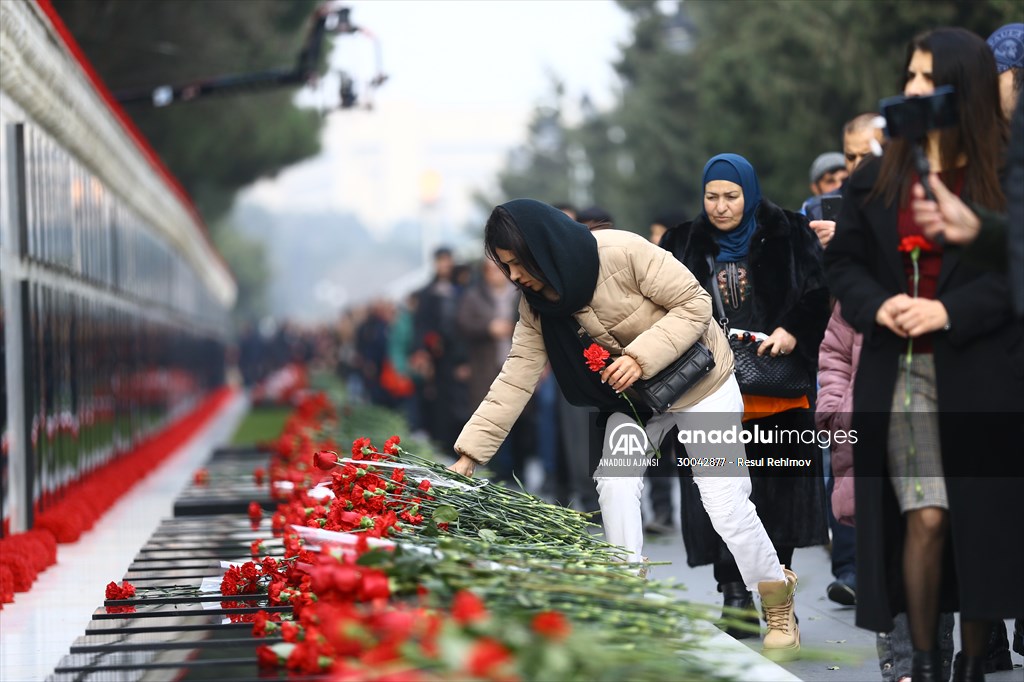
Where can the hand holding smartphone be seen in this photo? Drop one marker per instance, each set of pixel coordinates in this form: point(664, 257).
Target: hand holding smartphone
point(830, 207)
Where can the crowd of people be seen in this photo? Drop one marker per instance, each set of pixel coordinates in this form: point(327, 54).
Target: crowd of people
point(920, 332)
point(901, 310)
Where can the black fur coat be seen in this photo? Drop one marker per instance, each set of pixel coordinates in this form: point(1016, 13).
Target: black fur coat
point(787, 276)
point(785, 270)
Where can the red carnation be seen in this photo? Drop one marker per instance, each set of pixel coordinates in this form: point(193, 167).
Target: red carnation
point(551, 624)
point(390, 445)
point(596, 357)
point(394, 625)
point(290, 631)
point(266, 657)
point(325, 459)
point(255, 512)
point(358, 445)
point(201, 477)
point(467, 607)
point(375, 586)
point(6, 585)
point(123, 591)
point(263, 624)
point(486, 655)
point(258, 474)
point(914, 241)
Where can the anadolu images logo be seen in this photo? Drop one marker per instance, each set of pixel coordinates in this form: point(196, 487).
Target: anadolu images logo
point(628, 440)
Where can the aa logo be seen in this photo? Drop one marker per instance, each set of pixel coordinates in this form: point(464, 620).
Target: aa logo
point(628, 440)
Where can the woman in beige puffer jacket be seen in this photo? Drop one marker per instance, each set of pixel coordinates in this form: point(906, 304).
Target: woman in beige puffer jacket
point(640, 304)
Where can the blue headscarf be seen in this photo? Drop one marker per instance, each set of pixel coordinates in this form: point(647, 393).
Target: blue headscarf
point(735, 244)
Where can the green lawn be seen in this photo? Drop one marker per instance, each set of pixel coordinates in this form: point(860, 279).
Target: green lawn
point(264, 424)
point(260, 425)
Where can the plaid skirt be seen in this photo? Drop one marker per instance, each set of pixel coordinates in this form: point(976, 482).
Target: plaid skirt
point(915, 455)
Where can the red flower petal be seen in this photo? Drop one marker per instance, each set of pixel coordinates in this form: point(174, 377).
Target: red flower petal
point(486, 655)
point(596, 357)
point(914, 241)
point(325, 459)
point(467, 607)
point(551, 624)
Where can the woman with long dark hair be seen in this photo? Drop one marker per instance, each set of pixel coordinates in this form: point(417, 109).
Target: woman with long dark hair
point(940, 385)
point(644, 309)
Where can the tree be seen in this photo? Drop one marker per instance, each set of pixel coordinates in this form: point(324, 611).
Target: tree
point(779, 78)
point(660, 122)
point(218, 145)
point(773, 80)
point(247, 259)
point(540, 168)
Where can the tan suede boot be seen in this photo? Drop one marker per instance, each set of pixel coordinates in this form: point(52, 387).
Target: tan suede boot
point(782, 641)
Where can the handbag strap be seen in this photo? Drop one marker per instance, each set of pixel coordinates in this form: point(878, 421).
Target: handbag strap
point(585, 339)
point(718, 308)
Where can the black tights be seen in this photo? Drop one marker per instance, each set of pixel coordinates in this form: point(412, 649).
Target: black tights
point(922, 579)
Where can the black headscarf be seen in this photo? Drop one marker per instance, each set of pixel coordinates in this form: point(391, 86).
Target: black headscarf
point(566, 253)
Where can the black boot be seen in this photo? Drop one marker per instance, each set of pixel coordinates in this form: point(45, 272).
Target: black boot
point(736, 596)
point(1018, 636)
point(997, 656)
point(927, 667)
point(969, 669)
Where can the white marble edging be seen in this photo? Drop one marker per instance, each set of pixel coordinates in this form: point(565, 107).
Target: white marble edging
point(38, 629)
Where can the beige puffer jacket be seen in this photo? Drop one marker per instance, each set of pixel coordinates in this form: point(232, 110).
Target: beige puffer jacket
point(646, 305)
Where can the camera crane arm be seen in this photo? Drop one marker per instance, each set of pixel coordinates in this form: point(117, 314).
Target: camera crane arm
point(330, 17)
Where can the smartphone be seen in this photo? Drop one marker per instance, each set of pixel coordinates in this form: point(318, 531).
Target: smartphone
point(830, 207)
point(914, 117)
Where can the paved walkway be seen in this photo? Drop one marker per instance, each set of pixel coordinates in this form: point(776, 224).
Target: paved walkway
point(835, 649)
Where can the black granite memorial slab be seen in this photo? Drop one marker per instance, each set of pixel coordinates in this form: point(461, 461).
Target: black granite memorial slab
point(175, 630)
point(230, 485)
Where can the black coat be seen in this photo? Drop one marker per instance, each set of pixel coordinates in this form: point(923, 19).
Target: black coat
point(788, 283)
point(785, 272)
point(1015, 206)
point(979, 369)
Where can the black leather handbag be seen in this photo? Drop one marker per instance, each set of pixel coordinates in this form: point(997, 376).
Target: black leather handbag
point(783, 376)
point(662, 390)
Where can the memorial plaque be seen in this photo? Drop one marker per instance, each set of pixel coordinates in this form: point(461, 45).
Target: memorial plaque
point(231, 485)
point(180, 627)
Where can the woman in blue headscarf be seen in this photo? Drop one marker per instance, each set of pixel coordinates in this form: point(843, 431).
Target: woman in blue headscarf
point(766, 265)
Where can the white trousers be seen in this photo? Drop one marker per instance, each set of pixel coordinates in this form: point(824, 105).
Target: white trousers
point(723, 481)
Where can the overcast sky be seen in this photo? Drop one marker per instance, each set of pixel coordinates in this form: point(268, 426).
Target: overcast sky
point(463, 78)
point(491, 52)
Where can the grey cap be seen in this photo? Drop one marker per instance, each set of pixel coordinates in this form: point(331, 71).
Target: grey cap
point(825, 163)
point(1007, 45)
